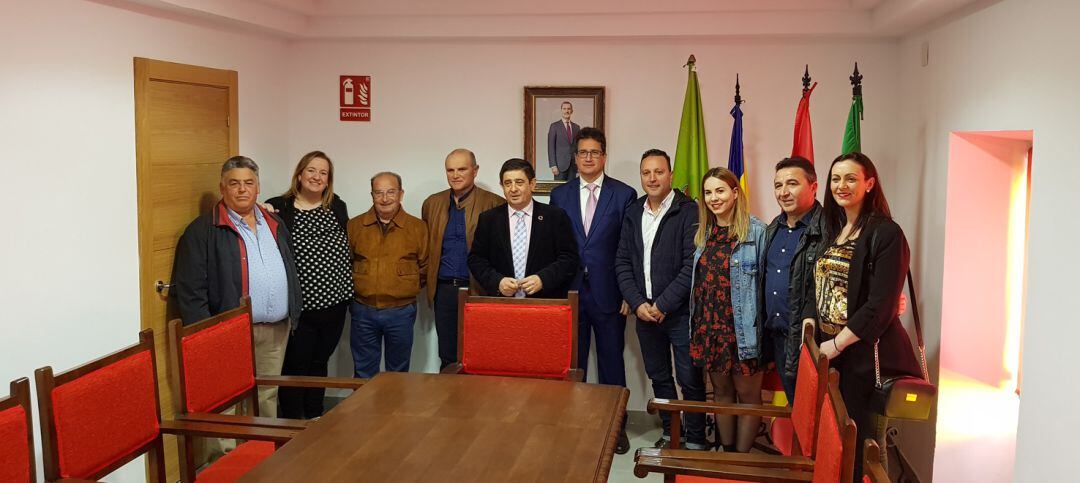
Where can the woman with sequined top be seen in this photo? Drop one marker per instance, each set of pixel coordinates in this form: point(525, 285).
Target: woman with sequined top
point(858, 282)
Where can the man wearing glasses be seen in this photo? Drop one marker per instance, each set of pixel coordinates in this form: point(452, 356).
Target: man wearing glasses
point(390, 255)
point(596, 204)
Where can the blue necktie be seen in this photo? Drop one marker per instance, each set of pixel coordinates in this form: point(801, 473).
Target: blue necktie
point(521, 254)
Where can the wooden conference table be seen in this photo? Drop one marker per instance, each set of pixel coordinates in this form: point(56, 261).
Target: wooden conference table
point(406, 427)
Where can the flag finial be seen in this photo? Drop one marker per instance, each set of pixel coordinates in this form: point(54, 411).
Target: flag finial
point(738, 98)
point(856, 81)
point(690, 62)
point(806, 79)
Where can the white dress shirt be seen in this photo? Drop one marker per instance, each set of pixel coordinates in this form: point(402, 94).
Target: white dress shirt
point(650, 222)
point(584, 195)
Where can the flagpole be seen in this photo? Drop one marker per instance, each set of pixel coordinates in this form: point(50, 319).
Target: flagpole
point(806, 79)
point(856, 82)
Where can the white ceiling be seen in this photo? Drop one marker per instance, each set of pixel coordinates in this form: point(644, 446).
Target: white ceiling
point(373, 19)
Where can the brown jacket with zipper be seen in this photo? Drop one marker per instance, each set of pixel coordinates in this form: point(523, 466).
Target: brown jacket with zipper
point(436, 212)
point(389, 268)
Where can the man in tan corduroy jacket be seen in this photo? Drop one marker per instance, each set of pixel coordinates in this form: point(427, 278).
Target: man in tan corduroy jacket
point(451, 217)
point(390, 263)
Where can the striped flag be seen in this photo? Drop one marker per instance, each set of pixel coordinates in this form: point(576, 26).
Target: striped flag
point(736, 162)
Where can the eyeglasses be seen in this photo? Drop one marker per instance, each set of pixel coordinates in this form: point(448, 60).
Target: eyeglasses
point(387, 193)
point(589, 154)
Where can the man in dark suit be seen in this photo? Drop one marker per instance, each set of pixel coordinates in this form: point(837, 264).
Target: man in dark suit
point(653, 266)
point(523, 248)
point(596, 204)
point(560, 144)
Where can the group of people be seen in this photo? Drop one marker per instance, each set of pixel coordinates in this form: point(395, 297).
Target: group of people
point(716, 292)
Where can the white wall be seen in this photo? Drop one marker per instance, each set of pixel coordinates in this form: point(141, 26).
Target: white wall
point(430, 97)
point(1011, 66)
point(69, 252)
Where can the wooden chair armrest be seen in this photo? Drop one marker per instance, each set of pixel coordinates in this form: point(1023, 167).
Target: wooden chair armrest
point(453, 368)
point(758, 460)
point(242, 420)
point(229, 431)
point(310, 381)
point(575, 375)
point(764, 410)
point(713, 469)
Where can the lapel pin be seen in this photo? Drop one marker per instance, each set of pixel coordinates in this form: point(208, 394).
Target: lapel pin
point(540, 218)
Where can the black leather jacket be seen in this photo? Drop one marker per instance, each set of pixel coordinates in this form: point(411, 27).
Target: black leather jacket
point(801, 282)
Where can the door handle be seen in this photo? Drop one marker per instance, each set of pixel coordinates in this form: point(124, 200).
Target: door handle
point(160, 287)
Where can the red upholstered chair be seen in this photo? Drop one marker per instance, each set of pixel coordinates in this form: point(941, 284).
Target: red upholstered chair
point(101, 415)
point(517, 337)
point(213, 369)
point(833, 462)
point(798, 449)
point(17, 435)
point(873, 471)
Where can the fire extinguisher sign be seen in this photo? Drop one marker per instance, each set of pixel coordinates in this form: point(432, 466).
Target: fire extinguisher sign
point(354, 93)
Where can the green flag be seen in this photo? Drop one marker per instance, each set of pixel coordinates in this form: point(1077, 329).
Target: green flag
point(853, 131)
point(691, 154)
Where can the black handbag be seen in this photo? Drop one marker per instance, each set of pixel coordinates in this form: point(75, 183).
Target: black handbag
point(905, 397)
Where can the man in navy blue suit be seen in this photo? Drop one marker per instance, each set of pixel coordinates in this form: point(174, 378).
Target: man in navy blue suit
point(596, 204)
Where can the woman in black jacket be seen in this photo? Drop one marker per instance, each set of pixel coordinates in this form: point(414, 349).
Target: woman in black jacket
point(858, 281)
point(316, 219)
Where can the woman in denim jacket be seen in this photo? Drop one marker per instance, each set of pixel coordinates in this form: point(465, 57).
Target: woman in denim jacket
point(724, 332)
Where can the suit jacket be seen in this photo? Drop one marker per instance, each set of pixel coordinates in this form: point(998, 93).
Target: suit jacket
point(598, 248)
point(560, 148)
point(435, 212)
point(553, 254)
point(672, 258)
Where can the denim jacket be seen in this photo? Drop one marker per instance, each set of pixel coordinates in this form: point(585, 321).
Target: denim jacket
point(746, 265)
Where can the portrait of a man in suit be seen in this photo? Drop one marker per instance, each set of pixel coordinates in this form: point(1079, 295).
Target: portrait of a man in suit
point(554, 116)
point(560, 143)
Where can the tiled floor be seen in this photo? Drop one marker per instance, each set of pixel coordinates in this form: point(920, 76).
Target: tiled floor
point(643, 429)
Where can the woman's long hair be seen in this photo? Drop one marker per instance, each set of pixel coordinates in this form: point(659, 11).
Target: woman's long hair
point(740, 213)
point(874, 203)
point(294, 188)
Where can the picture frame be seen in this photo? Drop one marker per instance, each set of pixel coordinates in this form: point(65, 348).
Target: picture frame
point(548, 139)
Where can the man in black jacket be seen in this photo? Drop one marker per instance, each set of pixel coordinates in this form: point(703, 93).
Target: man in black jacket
point(240, 250)
point(523, 248)
point(794, 241)
point(653, 265)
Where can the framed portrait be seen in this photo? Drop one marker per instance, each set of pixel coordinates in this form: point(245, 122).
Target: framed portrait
point(553, 116)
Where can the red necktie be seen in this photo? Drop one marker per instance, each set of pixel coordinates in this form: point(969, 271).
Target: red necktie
point(569, 134)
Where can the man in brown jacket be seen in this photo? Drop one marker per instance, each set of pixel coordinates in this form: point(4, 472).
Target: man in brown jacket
point(451, 218)
point(390, 255)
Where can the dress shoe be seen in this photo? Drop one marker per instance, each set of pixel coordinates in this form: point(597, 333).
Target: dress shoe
point(623, 445)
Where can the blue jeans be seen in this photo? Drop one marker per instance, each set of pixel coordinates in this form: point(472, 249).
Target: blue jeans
point(778, 340)
point(371, 328)
point(658, 343)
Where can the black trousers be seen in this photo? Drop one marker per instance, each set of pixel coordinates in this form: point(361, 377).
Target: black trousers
point(445, 307)
point(307, 354)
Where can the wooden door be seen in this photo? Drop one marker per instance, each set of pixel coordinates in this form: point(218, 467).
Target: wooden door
point(185, 128)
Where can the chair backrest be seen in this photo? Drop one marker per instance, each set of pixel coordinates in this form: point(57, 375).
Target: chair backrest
point(810, 388)
point(17, 435)
point(517, 337)
point(213, 361)
point(873, 470)
point(101, 415)
point(835, 442)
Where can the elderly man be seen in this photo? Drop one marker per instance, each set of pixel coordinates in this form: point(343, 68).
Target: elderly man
point(238, 250)
point(451, 217)
point(390, 255)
